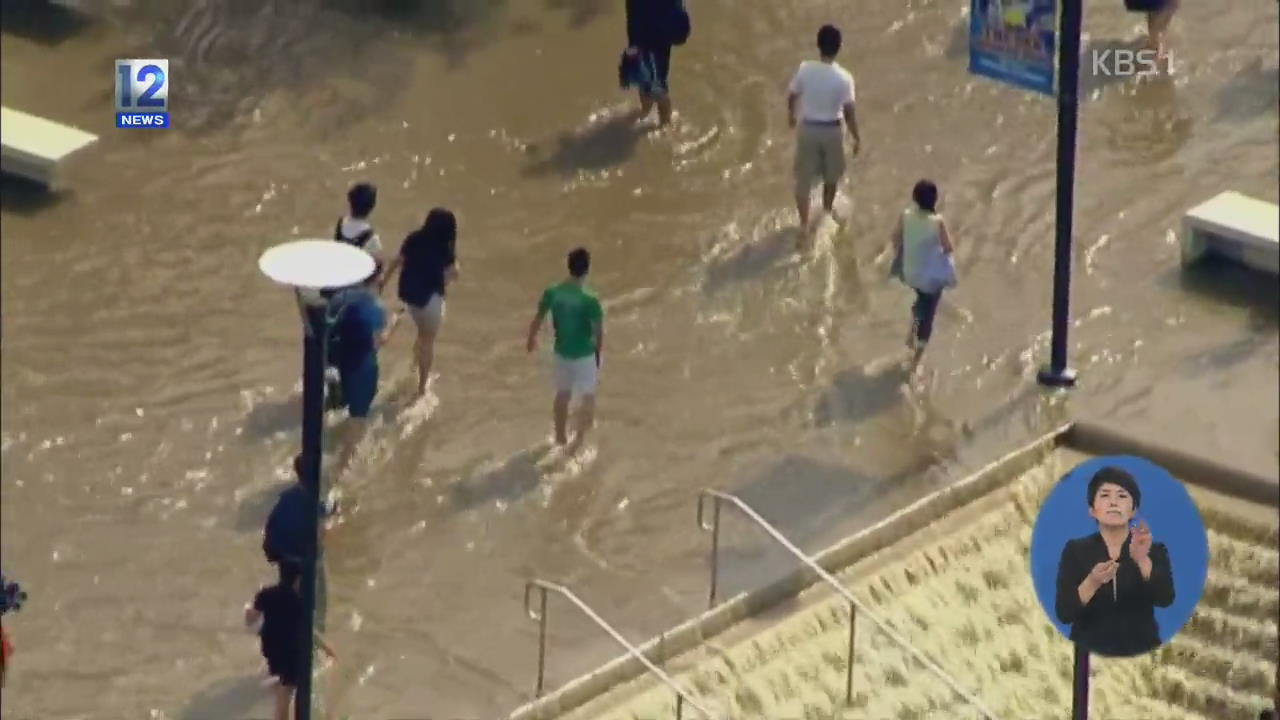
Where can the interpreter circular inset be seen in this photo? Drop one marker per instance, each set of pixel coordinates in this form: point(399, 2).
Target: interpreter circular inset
point(1119, 556)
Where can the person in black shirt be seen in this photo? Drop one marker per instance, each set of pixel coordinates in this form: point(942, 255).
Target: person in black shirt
point(1110, 583)
point(279, 607)
point(650, 35)
point(427, 262)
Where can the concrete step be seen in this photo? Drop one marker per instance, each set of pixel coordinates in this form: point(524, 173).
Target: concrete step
point(1238, 596)
point(1258, 564)
point(1247, 636)
point(966, 601)
point(1211, 699)
point(1221, 665)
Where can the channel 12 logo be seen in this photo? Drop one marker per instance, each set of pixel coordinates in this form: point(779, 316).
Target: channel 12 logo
point(142, 94)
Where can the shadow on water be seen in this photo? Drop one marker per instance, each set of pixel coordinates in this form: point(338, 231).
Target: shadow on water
point(1226, 281)
point(251, 514)
point(268, 419)
point(1144, 123)
point(751, 260)
point(229, 698)
point(857, 395)
point(582, 12)
point(806, 500)
point(449, 24)
point(41, 21)
point(511, 480)
point(1253, 91)
point(600, 146)
point(25, 197)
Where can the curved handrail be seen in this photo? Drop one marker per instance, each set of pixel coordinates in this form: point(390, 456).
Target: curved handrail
point(830, 580)
point(540, 615)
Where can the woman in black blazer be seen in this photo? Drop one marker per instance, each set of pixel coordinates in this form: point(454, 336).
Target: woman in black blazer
point(1110, 582)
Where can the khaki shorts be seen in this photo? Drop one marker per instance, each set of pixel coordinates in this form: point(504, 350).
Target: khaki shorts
point(428, 317)
point(819, 154)
point(577, 376)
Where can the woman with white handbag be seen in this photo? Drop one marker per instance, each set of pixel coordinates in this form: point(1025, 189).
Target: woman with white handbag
point(923, 261)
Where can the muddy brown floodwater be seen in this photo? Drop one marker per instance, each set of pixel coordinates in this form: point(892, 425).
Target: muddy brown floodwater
point(150, 373)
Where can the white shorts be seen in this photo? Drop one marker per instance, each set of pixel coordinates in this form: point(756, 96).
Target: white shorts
point(578, 376)
point(428, 317)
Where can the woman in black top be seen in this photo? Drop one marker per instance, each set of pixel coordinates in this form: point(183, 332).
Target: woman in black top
point(427, 263)
point(651, 32)
point(1110, 582)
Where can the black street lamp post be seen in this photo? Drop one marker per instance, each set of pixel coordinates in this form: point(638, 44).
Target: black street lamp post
point(1057, 374)
point(310, 266)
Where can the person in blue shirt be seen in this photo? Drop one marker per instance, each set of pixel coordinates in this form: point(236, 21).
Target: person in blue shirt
point(361, 328)
point(284, 535)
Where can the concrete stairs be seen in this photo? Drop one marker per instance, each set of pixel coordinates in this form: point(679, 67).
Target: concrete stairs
point(965, 598)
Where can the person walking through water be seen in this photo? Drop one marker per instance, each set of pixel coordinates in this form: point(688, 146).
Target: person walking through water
point(428, 262)
point(360, 330)
point(924, 249)
point(821, 95)
point(1159, 16)
point(653, 27)
point(578, 320)
point(355, 228)
point(277, 613)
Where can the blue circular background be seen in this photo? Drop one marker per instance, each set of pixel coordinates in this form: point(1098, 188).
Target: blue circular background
point(1167, 508)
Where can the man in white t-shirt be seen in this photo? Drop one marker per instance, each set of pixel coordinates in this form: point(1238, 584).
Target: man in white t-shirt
point(821, 94)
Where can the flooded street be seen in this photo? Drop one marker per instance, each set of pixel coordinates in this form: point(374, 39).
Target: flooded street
point(150, 373)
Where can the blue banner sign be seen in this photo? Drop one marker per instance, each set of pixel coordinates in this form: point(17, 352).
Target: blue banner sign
point(1015, 42)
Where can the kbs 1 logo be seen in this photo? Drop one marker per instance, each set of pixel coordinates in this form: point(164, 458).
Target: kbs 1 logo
point(1123, 62)
point(142, 94)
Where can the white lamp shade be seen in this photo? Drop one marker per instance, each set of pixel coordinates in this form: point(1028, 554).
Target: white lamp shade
point(316, 264)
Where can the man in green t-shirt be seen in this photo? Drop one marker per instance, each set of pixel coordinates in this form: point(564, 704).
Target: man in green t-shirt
point(578, 320)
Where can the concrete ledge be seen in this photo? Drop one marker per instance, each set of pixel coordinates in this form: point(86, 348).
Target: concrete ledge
point(1235, 226)
point(1100, 439)
point(35, 148)
point(696, 631)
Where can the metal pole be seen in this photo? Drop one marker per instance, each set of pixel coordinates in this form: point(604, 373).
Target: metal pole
point(1057, 374)
point(715, 551)
point(313, 362)
point(1080, 685)
point(848, 677)
point(679, 706)
point(542, 638)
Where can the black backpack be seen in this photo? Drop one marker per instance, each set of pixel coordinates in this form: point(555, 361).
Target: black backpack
point(681, 26)
point(359, 241)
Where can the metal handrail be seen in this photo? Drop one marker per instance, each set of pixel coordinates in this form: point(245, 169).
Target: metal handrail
point(854, 603)
point(540, 615)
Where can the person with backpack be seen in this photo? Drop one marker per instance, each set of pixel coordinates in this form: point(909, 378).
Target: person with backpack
point(354, 228)
point(923, 261)
point(653, 28)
